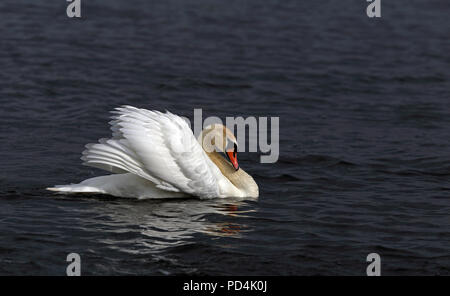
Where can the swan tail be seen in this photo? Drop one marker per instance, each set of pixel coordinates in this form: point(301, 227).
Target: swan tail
point(94, 185)
point(121, 185)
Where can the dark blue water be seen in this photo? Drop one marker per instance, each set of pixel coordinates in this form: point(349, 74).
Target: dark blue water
point(364, 134)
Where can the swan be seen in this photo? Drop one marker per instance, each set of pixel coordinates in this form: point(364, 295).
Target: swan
point(155, 155)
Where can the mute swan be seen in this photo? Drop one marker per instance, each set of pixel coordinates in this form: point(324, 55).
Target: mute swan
point(155, 155)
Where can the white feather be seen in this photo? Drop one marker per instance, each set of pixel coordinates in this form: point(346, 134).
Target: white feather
point(158, 147)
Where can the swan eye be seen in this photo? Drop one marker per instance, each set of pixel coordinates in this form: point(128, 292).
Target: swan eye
point(224, 154)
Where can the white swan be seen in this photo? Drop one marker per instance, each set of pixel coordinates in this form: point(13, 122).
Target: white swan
point(155, 155)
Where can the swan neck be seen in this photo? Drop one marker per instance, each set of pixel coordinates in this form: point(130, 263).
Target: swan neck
point(240, 179)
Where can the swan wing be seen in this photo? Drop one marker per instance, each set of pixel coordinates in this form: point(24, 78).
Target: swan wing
point(159, 147)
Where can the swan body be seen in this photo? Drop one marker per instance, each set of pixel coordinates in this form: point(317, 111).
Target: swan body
point(155, 155)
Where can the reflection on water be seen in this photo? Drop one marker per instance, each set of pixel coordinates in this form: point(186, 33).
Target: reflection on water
point(153, 226)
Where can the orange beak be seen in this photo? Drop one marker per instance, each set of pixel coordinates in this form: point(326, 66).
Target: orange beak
point(232, 156)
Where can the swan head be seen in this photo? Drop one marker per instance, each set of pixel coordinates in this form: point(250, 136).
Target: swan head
point(221, 146)
point(218, 138)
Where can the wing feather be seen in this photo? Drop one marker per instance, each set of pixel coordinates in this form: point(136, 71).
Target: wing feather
point(159, 147)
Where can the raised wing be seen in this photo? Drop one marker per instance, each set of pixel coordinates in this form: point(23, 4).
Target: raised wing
point(159, 147)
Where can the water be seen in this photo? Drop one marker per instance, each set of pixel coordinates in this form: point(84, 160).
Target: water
point(364, 135)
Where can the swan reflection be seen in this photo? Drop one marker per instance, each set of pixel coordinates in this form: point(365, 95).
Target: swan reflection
point(153, 226)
